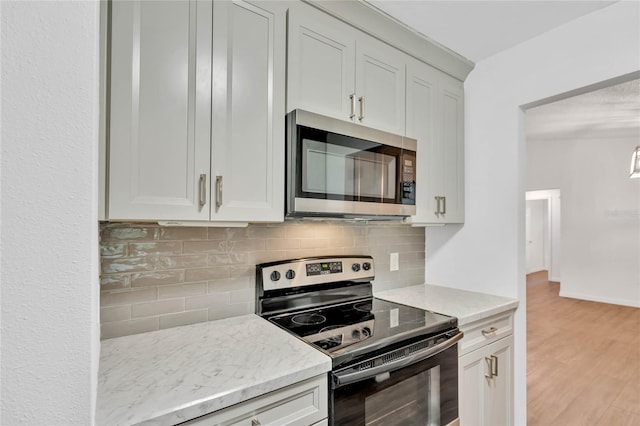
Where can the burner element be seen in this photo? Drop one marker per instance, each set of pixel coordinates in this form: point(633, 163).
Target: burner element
point(308, 319)
point(363, 307)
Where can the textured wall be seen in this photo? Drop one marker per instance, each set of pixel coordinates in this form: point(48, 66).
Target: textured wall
point(600, 215)
point(157, 277)
point(50, 334)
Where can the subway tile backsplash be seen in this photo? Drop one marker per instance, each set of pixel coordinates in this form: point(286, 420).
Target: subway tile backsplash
point(156, 277)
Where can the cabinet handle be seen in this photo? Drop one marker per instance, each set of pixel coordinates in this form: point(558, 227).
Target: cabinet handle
point(489, 360)
point(218, 192)
point(444, 205)
point(437, 205)
point(255, 422)
point(361, 100)
point(203, 190)
point(489, 331)
point(494, 363)
point(353, 106)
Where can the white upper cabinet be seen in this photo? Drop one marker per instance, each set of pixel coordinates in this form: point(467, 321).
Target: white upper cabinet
point(341, 72)
point(248, 112)
point(435, 117)
point(380, 85)
point(321, 61)
point(158, 145)
point(196, 129)
point(452, 157)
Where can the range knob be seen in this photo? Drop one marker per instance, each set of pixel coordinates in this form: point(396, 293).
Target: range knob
point(366, 266)
point(275, 276)
point(355, 267)
point(291, 274)
point(366, 332)
point(355, 334)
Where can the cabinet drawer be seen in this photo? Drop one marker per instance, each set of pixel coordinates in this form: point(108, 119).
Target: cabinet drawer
point(303, 403)
point(485, 331)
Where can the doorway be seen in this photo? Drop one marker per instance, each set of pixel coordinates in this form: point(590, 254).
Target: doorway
point(587, 159)
point(536, 235)
point(543, 232)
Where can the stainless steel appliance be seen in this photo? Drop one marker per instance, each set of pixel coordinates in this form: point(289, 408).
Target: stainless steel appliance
point(392, 364)
point(341, 169)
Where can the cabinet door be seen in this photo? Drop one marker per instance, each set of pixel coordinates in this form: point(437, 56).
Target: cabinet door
point(422, 110)
point(452, 140)
point(380, 85)
point(159, 138)
point(472, 385)
point(486, 398)
point(499, 405)
point(435, 117)
point(321, 67)
point(248, 111)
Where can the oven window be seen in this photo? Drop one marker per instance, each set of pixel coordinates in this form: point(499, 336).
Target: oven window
point(424, 393)
point(414, 401)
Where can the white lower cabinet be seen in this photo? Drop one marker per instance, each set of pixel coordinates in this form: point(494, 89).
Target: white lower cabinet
point(300, 404)
point(485, 376)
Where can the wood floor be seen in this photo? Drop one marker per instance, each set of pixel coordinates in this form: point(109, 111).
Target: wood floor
point(583, 359)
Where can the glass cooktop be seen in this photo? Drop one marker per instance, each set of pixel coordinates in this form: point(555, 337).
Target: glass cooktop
point(361, 327)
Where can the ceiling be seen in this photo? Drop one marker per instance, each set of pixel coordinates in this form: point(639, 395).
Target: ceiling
point(479, 29)
point(610, 112)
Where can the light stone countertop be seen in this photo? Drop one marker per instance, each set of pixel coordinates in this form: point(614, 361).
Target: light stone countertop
point(173, 375)
point(467, 306)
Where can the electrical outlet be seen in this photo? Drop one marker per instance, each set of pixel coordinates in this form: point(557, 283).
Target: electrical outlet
point(394, 262)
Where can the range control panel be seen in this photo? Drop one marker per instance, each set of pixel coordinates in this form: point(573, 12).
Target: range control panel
point(323, 268)
point(313, 271)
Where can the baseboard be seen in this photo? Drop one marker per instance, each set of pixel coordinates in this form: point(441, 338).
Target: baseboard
point(634, 304)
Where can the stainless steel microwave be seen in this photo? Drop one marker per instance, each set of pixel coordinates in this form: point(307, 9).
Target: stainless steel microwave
point(341, 169)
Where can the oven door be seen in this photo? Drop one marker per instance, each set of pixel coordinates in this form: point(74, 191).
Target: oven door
point(424, 392)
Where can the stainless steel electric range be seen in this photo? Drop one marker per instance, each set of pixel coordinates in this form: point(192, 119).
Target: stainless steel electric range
point(392, 364)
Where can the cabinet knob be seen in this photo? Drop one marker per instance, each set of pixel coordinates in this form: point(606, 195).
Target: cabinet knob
point(203, 190)
point(218, 192)
point(492, 361)
point(352, 97)
point(491, 330)
point(255, 422)
point(361, 100)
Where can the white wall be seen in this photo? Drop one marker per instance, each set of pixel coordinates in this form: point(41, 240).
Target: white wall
point(552, 196)
point(487, 253)
point(50, 334)
point(600, 214)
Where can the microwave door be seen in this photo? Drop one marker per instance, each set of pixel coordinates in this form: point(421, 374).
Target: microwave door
point(376, 176)
point(329, 171)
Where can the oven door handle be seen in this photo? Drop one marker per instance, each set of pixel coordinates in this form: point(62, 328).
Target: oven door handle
point(346, 377)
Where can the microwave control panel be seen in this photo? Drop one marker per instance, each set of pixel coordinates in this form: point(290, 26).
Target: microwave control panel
point(408, 184)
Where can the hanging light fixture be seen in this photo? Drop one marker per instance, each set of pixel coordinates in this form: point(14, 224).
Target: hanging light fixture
point(635, 163)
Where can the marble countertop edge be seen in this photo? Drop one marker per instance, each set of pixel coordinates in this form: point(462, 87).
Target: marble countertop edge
point(467, 306)
point(232, 397)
